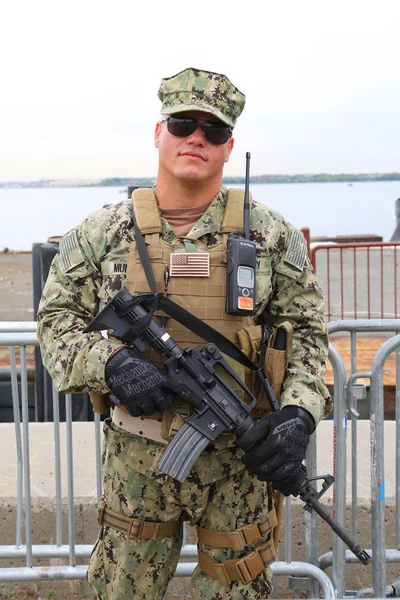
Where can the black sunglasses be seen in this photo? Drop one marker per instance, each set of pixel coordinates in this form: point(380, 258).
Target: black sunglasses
point(213, 131)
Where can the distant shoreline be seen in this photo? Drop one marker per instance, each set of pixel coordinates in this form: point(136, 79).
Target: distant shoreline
point(150, 181)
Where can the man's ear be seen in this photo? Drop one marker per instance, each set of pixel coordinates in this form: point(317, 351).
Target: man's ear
point(229, 149)
point(157, 133)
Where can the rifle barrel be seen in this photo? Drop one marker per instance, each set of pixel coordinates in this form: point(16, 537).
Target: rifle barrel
point(340, 531)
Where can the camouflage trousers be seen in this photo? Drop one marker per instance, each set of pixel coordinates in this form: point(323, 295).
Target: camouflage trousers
point(218, 494)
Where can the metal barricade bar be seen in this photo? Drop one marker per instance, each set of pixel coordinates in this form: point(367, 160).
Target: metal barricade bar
point(183, 570)
point(397, 408)
point(380, 554)
point(339, 468)
point(377, 465)
point(352, 408)
point(368, 274)
point(18, 443)
point(57, 449)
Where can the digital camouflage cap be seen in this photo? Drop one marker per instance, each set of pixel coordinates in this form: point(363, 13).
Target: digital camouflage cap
point(193, 89)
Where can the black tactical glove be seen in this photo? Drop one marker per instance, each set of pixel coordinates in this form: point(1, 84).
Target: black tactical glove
point(276, 446)
point(137, 383)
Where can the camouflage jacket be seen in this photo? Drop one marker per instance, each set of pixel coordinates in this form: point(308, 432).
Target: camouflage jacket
point(91, 266)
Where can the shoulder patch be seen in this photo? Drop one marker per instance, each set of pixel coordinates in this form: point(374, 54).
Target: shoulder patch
point(70, 252)
point(297, 251)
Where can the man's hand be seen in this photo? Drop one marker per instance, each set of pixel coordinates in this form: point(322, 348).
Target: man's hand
point(277, 446)
point(137, 383)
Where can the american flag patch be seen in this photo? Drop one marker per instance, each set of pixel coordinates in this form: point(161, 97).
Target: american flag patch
point(189, 264)
point(69, 250)
point(297, 251)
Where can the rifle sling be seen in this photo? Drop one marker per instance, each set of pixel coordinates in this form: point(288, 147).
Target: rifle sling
point(144, 257)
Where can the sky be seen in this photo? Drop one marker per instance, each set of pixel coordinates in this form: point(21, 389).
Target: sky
point(80, 78)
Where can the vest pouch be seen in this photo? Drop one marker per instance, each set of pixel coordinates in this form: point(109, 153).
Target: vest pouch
point(173, 418)
point(275, 365)
point(276, 361)
point(250, 341)
point(277, 503)
point(101, 402)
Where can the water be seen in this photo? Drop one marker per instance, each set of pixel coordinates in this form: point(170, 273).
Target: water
point(328, 209)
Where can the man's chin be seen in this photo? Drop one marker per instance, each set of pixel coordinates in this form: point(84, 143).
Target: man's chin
point(192, 176)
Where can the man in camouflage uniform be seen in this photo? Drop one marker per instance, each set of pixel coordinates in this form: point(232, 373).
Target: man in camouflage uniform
point(142, 509)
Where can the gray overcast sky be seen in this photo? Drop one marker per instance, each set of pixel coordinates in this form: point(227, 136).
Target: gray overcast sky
point(80, 78)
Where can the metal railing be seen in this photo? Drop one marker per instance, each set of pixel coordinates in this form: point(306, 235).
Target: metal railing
point(22, 335)
point(360, 280)
point(379, 512)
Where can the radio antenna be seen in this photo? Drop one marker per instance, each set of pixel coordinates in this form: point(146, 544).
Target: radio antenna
point(246, 216)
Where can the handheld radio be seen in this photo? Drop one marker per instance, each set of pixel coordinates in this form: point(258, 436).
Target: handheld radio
point(241, 267)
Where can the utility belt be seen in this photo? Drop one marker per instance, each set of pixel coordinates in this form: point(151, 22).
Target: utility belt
point(152, 427)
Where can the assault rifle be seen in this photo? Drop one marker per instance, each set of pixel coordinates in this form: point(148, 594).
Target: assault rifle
point(217, 408)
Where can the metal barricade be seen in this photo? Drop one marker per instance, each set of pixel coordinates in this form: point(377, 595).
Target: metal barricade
point(21, 335)
point(380, 554)
point(360, 280)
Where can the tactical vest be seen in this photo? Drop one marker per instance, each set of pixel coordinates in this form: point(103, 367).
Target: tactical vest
point(204, 297)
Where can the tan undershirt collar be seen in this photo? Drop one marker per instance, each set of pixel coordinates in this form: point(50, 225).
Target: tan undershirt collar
point(181, 220)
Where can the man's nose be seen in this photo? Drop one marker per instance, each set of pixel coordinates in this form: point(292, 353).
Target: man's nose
point(196, 137)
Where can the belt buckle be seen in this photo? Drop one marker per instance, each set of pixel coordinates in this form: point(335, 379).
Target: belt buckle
point(100, 515)
point(244, 573)
point(265, 526)
point(149, 530)
point(237, 540)
point(269, 550)
point(101, 511)
point(251, 533)
point(222, 574)
point(135, 529)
